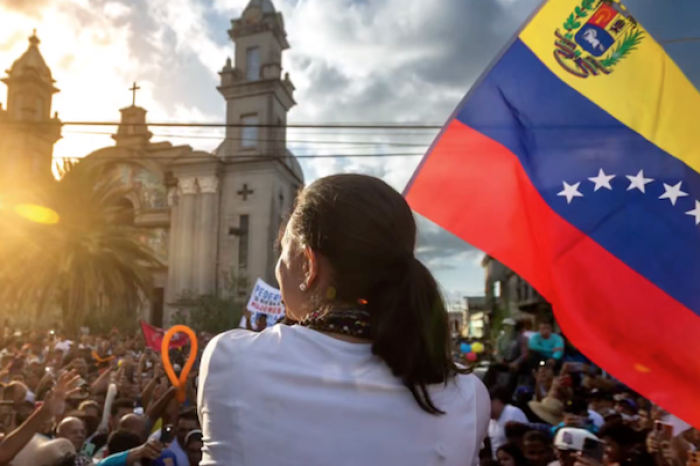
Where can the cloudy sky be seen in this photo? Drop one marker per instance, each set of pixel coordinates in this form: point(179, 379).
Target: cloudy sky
point(352, 61)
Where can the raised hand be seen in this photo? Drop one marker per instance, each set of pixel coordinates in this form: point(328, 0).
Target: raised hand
point(66, 385)
point(150, 450)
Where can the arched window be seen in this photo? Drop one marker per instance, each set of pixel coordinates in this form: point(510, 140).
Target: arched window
point(125, 215)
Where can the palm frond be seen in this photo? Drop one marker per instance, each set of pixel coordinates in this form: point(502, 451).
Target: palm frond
point(87, 262)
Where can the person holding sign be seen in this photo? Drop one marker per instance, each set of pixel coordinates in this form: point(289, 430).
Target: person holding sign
point(366, 375)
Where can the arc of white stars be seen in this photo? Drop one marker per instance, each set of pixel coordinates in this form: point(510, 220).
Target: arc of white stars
point(602, 180)
point(695, 212)
point(672, 193)
point(638, 181)
point(570, 191)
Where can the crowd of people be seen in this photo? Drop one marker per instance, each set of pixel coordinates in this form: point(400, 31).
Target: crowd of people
point(94, 400)
point(361, 372)
point(551, 410)
point(104, 400)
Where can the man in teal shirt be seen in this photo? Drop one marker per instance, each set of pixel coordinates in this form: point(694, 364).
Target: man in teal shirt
point(546, 344)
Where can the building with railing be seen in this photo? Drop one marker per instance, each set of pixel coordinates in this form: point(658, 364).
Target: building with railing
point(509, 295)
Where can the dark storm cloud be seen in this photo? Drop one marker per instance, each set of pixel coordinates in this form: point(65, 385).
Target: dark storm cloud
point(438, 245)
point(327, 80)
point(464, 37)
point(469, 34)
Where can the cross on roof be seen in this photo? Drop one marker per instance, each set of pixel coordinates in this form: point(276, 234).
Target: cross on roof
point(133, 89)
point(245, 192)
point(34, 40)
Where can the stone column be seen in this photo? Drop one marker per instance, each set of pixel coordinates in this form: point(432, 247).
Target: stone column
point(207, 232)
point(186, 244)
point(173, 250)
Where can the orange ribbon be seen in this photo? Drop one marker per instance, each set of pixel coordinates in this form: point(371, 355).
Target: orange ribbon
point(99, 359)
point(180, 383)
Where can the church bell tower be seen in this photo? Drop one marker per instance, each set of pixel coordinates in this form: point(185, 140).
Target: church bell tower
point(260, 176)
point(256, 92)
point(27, 130)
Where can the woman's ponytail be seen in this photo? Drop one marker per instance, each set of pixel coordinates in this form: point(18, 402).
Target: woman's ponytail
point(410, 330)
point(365, 232)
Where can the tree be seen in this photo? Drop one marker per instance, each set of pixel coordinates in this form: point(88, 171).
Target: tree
point(212, 314)
point(88, 262)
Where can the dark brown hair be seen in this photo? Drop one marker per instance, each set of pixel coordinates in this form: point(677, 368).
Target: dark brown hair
point(366, 231)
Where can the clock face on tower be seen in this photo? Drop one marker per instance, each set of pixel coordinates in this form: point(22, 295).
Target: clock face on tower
point(252, 14)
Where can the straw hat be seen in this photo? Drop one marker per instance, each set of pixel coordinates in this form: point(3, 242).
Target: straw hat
point(549, 410)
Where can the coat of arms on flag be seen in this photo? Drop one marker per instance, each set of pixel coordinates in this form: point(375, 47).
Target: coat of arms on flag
point(597, 35)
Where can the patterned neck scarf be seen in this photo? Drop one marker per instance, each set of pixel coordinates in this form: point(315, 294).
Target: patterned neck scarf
point(351, 322)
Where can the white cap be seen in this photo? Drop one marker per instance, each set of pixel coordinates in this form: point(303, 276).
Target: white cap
point(569, 438)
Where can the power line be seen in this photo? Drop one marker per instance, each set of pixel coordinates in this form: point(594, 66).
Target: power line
point(253, 158)
point(384, 126)
point(224, 138)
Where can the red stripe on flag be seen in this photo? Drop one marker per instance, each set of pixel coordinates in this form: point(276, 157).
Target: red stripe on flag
point(619, 319)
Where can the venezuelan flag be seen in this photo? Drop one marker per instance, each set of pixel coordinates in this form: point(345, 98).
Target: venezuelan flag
point(575, 161)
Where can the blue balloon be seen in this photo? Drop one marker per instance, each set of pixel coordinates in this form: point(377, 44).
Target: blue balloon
point(465, 348)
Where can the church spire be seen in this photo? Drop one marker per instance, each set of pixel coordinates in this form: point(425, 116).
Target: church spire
point(265, 6)
point(258, 94)
point(31, 66)
point(34, 40)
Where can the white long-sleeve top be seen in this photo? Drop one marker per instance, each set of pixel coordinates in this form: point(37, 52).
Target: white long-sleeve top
point(295, 396)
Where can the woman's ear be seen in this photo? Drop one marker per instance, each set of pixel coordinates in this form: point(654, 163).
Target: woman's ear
point(311, 272)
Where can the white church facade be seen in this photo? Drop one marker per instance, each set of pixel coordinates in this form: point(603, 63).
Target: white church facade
point(212, 217)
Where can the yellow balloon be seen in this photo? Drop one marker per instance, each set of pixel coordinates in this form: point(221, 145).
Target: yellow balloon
point(477, 347)
point(36, 213)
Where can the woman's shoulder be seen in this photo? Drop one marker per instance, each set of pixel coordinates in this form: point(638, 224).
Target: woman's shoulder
point(228, 354)
point(232, 342)
point(240, 345)
point(474, 393)
point(470, 383)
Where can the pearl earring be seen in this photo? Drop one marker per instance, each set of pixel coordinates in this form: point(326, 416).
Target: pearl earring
point(303, 287)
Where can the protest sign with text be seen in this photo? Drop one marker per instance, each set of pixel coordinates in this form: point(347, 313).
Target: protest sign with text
point(265, 299)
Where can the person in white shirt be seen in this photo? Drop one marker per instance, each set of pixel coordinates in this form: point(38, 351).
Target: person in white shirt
point(502, 412)
point(366, 377)
point(568, 443)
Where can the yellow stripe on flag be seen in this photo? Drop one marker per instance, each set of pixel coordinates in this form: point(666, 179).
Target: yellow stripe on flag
point(643, 89)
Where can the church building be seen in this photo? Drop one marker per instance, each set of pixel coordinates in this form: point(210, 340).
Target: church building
point(214, 218)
